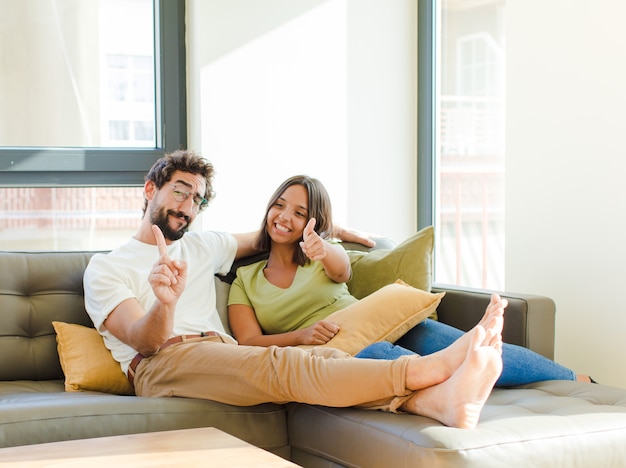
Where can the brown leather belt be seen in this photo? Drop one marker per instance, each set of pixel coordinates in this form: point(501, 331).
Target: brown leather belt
point(177, 339)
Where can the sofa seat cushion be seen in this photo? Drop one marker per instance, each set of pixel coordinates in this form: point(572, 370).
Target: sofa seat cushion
point(38, 412)
point(553, 423)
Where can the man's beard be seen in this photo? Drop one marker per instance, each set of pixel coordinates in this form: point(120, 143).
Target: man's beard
point(161, 219)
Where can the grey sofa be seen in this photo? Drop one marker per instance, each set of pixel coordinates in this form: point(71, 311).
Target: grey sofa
point(545, 424)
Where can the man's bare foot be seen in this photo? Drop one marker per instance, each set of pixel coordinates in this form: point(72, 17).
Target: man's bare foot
point(583, 378)
point(432, 369)
point(458, 401)
point(495, 307)
point(492, 321)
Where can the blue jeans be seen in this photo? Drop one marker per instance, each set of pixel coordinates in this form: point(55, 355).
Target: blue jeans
point(520, 365)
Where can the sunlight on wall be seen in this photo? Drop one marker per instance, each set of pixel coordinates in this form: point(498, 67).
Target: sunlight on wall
point(277, 102)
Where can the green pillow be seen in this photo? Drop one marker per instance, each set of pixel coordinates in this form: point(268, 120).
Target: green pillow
point(410, 261)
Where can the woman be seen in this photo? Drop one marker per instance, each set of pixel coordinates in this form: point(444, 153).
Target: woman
point(284, 300)
point(266, 295)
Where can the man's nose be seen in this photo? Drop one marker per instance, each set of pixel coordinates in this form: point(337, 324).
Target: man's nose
point(188, 204)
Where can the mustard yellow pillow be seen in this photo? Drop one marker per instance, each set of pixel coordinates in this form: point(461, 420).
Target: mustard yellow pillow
point(87, 363)
point(384, 315)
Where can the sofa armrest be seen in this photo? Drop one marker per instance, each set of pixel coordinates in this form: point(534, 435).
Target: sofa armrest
point(528, 319)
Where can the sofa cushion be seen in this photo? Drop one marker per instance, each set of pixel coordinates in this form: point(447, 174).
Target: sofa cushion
point(87, 363)
point(546, 424)
point(384, 315)
point(410, 261)
point(38, 412)
point(37, 288)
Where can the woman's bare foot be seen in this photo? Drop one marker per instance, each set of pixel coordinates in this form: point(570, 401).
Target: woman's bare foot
point(458, 401)
point(583, 378)
point(435, 368)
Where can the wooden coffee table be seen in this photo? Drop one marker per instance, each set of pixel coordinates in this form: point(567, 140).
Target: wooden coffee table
point(186, 447)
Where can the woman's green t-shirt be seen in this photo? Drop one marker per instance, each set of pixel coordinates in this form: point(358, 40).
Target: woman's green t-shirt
point(311, 297)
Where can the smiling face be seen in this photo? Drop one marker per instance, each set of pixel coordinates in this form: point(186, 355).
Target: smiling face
point(303, 192)
point(288, 216)
point(171, 215)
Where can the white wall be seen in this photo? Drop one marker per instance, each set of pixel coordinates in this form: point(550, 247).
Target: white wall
point(327, 88)
point(566, 173)
point(382, 117)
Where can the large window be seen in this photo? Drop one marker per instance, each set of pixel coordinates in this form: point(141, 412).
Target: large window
point(92, 92)
point(462, 138)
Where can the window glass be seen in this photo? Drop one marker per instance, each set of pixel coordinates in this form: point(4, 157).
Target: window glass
point(469, 198)
point(73, 70)
point(77, 90)
point(69, 218)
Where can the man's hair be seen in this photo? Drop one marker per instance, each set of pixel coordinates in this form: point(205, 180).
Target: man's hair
point(181, 160)
point(319, 208)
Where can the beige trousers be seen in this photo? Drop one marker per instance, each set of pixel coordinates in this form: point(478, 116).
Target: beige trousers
point(238, 375)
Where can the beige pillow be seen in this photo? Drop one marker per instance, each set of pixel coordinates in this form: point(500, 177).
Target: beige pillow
point(384, 315)
point(410, 261)
point(87, 363)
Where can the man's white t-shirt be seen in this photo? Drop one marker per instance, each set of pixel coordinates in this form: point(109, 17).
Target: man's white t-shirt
point(122, 274)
